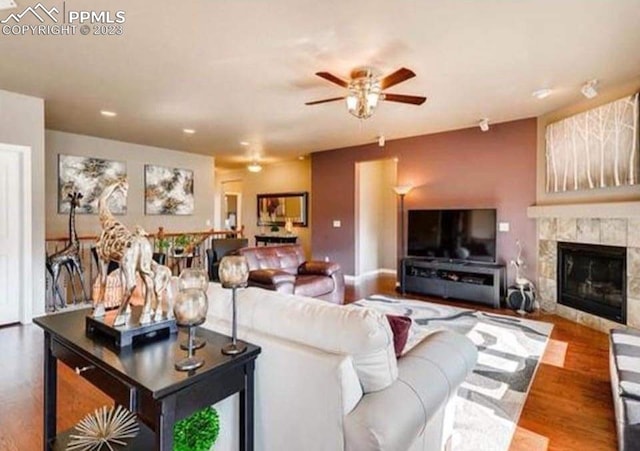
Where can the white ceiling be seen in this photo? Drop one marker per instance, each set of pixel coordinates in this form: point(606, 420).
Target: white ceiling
point(241, 70)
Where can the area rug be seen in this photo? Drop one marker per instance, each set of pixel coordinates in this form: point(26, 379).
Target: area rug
point(492, 397)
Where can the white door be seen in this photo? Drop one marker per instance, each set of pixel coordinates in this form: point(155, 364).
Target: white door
point(10, 218)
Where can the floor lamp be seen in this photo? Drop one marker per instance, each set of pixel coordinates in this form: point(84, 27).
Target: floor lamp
point(401, 191)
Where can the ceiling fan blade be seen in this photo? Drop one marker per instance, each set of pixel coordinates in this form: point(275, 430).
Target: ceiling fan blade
point(414, 100)
point(398, 76)
point(332, 78)
point(333, 99)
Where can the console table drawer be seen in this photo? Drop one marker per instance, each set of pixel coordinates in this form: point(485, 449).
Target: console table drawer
point(121, 392)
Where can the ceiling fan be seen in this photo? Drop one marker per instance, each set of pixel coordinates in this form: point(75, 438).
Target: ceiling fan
point(365, 90)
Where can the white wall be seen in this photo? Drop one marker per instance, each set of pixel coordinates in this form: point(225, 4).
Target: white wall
point(376, 216)
point(22, 123)
point(136, 156)
point(283, 177)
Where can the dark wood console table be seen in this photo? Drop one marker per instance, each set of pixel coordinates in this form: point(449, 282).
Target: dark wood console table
point(276, 239)
point(143, 379)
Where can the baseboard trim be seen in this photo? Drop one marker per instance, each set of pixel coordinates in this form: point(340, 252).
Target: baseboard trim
point(387, 271)
point(355, 280)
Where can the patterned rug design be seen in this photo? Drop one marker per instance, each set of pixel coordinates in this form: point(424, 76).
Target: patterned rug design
point(492, 397)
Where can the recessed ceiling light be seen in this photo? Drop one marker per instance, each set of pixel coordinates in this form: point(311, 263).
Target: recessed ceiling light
point(541, 93)
point(301, 157)
point(244, 143)
point(188, 131)
point(254, 167)
point(106, 113)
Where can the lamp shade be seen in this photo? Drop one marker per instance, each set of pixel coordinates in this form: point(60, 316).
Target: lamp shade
point(402, 190)
point(233, 271)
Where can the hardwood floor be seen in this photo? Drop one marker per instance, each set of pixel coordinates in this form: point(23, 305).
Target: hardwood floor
point(21, 415)
point(569, 406)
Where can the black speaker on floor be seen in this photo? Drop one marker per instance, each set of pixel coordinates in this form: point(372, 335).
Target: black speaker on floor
point(522, 300)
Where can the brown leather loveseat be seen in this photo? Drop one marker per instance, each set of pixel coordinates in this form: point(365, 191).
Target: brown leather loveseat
point(284, 269)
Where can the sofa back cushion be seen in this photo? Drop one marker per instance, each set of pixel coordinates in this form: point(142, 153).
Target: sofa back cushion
point(286, 257)
point(361, 333)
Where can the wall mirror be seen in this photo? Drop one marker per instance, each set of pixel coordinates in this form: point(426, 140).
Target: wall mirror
point(275, 209)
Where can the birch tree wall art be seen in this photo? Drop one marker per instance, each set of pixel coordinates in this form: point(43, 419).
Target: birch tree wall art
point(595, 149)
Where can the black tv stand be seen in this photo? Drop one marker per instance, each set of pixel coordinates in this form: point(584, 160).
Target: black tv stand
point(484, 283)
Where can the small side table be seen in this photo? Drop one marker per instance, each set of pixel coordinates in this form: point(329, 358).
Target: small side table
point(144, 380)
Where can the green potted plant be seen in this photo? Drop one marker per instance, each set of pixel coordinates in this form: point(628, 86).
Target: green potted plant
point(198, 432)
point(180, 243)
point(162, 245)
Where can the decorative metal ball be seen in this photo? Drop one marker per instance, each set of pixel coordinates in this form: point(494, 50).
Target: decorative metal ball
point(234, 271)
point(191, 307)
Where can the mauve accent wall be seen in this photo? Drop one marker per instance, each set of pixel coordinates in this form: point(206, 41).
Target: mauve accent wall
point(459, 169)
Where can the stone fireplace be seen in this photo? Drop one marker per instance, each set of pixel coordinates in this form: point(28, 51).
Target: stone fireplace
point(603, 291)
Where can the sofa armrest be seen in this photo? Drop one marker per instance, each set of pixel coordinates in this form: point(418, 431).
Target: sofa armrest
point(419, 404)
point(272, 278)
point(318, 268)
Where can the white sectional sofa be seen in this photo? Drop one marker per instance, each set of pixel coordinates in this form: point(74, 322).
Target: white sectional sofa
point(328, 378)
point(624, 366)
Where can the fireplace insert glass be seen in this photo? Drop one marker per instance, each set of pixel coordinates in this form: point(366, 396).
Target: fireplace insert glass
point(592, 278)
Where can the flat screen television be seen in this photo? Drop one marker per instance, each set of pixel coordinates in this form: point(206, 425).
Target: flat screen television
point(452, 234)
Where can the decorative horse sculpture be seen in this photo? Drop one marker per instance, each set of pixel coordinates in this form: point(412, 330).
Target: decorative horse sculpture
point(161, 278)
point(69, 257)
point(132, 251)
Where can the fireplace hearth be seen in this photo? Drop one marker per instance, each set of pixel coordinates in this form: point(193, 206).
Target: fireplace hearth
point(592, 278)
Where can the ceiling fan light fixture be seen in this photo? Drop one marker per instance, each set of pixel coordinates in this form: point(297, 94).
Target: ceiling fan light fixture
point(363, 97)
point(372, 99)
point(352, 102)
point(364, 90)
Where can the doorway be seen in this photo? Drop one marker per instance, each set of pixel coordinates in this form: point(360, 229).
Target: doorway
point(231, 219)
point(231, 211)
point(376, 217)
point(15, 234)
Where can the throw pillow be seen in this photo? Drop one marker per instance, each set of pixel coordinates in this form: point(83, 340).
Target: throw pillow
point(400, 326)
